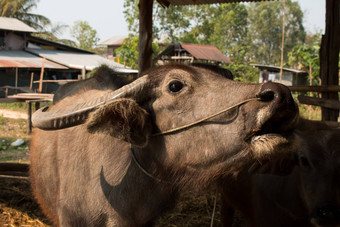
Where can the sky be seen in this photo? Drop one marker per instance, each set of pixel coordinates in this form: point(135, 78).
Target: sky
point(107, 17)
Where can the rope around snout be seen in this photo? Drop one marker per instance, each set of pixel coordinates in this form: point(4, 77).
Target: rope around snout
point(206, 118)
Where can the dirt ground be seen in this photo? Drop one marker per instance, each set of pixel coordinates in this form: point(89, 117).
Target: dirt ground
point(13, 114)
point(19, 208)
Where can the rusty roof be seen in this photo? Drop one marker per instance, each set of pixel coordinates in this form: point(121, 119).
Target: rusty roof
point(22, 59)
point(201, 2)
point(205, 52)
point(13, 24)
point(79, 60)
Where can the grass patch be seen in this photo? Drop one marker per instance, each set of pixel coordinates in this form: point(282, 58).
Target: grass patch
point(9, 153)
point(10, 131)
point(310, 112)
point(20, 106)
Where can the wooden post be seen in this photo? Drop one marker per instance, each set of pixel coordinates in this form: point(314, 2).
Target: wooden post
point(41, 75)
point(83, 73)
point(329, 56)
point(16, 77)
point(29, 119)
point(31, 84)
point(37, 105)
point(145, 35)
point(283, 38)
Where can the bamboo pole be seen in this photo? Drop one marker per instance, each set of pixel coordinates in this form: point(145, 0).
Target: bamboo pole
point(283, 38)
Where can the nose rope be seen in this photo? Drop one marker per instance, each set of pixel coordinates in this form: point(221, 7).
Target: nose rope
point(206, 118)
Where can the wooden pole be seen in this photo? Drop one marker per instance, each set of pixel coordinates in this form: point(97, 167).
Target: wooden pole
point(41, 75)
point(16, 77)
point(329, 56)
point(32, 76)
point(145, 35)
point(283, 38)
point(83, 73)
point(29, 119)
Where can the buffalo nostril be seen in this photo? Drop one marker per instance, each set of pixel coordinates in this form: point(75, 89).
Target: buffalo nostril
point(266, 95)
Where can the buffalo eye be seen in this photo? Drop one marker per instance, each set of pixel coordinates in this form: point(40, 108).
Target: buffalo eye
point(304, 162)
point(175, 86)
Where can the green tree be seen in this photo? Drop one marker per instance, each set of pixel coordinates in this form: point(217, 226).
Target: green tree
point(131, 13)
point(307, 58)
point(52, 33)
point(172, 21)
point(230, 31)
point(128, 52)
point(201, 28)
point(244, 72)
point(85, 35)
point(22, 10)
point(265, 30)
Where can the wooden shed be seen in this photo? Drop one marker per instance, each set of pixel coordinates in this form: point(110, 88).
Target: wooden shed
point(290, 77)
point(189, 52)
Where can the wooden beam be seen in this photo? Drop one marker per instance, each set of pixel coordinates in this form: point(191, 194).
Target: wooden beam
point(330, 88)
point(164, 3)
point(145, 35)
point(327, 103)
point(16, 167)
point(329, 56)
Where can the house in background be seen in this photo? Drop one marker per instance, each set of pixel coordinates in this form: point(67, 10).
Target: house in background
point(191, 53)
point(23, 56)
point(290, 77)
point(112, 44)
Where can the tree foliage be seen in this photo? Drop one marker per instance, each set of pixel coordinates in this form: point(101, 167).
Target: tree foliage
point(22, 10)
point(128, 52)
point(85, 35)
point(306, 57)
point(230, 31)
point(265, 30)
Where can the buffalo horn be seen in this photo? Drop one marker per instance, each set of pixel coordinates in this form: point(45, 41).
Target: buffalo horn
point(77, 114)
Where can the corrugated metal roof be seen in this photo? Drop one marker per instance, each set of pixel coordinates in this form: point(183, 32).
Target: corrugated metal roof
point(22, 59)
point(14, 24)
point(200, 2)
point(115, 40)
point(79, 60)
point(205, 52)
point(277, 69)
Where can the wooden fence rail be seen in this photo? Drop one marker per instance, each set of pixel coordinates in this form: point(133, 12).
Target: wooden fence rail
point(327, 103)
point(328, 88)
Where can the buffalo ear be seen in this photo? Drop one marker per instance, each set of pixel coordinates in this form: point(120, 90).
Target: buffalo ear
point(123, 119)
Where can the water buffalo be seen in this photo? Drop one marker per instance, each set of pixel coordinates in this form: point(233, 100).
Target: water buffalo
point(308, 196)
point(106, 157)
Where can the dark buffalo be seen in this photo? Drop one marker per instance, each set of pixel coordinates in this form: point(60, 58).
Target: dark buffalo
point(101, 159)
point(308, 196)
